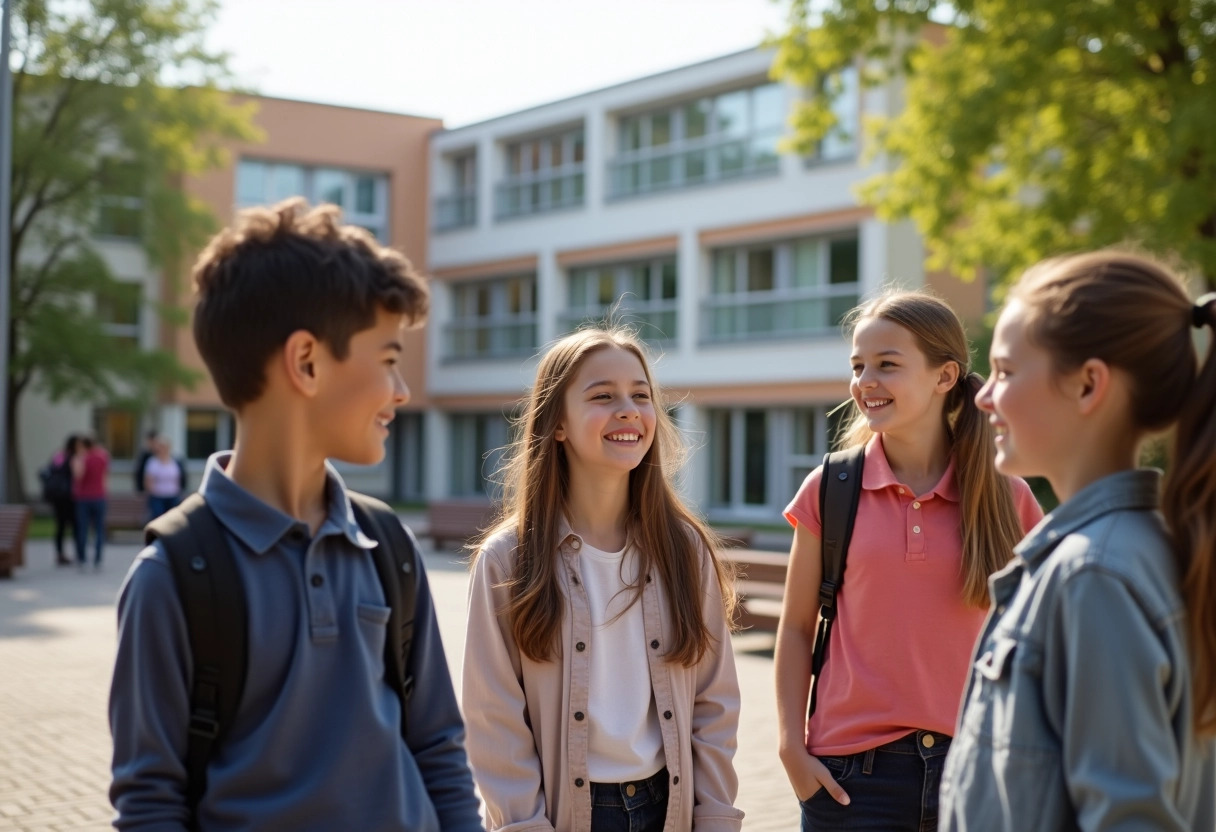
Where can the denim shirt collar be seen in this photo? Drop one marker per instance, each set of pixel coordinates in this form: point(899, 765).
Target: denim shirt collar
point(1137, 489)
point(260, 526)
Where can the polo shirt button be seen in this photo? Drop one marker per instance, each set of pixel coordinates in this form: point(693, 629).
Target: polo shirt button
point(916, 505)
point(901, 491)
point(578, 715)
point(927, 741)
point(654, 644)
point(316, 580)
point(580, 647)
point(666, 714)
point(916, 529)
point(578, 781)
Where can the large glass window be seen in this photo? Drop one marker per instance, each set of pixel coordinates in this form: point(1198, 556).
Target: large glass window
point(362, 195)
point(457, 208)
point(779, 289)
point(643, 293)
point(120, 204)
point(120, 311)
point(493, 318)
point(708, 139)
point(478, 441)
point(842, 141)
point(543, 174)
point(117, 429)
point(207, 431)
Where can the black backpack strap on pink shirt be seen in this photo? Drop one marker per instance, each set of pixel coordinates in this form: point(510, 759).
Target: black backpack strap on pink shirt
point(839, 494)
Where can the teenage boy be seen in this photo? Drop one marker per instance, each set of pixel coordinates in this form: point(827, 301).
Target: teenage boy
point(300, 323)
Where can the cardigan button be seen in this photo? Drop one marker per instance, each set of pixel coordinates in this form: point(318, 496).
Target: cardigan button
point(655, 644)
point(578, 781)
point(580, 647)
point(675, 781)
point(666, 714)
point(578, 716)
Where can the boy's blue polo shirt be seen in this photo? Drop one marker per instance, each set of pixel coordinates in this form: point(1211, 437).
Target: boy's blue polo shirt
point(316, 743)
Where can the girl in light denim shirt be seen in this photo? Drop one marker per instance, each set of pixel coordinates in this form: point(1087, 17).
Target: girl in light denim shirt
point(1092, 700)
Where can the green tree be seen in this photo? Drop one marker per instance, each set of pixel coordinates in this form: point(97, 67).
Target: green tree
point(115, 102)
point(1031, 127)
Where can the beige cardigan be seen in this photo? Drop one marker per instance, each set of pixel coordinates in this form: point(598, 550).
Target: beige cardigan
point(526, 745)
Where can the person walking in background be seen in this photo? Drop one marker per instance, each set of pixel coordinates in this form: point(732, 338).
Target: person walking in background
point(90, 464)
point(146, 452)
point(599, 680)
point(164, 479)
point(934, 520)
point(1092, 699)
point(57, 493)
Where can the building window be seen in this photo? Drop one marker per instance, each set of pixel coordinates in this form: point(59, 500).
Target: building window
point(120, 311)
point(458, 207)
point(642, 293)
point(841, 142)
point(362, 195)
point(781, 289)
point(478, 442)
point(207, 431)
point(120, 202)
point(760, 456)
point(117, 430)
point(543, 174)
point(705, 140)
point(493, 318)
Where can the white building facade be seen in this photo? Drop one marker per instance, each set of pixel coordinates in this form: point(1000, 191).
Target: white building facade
point(673, 198)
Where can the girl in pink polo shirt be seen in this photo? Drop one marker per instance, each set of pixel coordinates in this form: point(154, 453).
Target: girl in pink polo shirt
point(599, 683)
point(934, 520)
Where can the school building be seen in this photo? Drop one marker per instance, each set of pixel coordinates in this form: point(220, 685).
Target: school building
point(670, 200)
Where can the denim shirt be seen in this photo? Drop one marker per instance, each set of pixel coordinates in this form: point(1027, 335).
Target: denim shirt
point(1079, 710)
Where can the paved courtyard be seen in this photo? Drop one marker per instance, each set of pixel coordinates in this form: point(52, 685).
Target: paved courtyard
point(56, 647)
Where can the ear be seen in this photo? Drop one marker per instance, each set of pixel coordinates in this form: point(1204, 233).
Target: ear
point(947, 377)
point(301, 352)
point(560, 434)
point(1091, 385)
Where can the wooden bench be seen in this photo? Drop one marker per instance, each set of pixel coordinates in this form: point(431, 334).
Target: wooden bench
point(736, 537)
point(14, 526)
point(458, 518)
point(127, 510)
point(761, 585)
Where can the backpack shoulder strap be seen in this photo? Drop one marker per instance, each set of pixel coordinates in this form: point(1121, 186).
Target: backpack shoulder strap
point(213, 602)
point(839, 494)
point(395, 556)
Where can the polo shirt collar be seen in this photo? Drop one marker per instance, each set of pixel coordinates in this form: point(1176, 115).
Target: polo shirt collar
point(877, 474)
point(260, 526)
point(1138, 489)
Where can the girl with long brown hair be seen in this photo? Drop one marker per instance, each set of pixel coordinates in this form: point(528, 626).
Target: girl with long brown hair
point(599, 683)
point(1092, 701)
point(934, 519)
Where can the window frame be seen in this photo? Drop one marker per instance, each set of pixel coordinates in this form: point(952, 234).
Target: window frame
point(640, 312)
point(496, 323)
point(457, 208)
point(539, 181)
point(376, 221)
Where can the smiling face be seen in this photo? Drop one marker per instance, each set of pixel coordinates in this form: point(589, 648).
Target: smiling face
point(1025, 403)
point(608, 420)
point(359, 395)
point(893, 385)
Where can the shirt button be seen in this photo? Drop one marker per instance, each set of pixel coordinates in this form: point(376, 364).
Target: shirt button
point(666, 714)
point(317, 580)
point(901, 491)
point(654, 644)
point(295, 535)
point(916, 505)
point(578, 715)
point(675, 781)
point(916, 530)
point(578, 781)
point(580, 647)
point(575, 544)
point(927, 741)
point(631, 790)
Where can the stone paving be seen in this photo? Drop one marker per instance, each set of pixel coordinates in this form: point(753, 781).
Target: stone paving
point(56, 648)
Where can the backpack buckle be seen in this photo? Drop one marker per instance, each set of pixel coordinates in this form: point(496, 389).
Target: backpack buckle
point(204, 724)
point(827, 599)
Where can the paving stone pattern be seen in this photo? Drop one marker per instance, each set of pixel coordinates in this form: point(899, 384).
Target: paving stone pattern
point(56, 648)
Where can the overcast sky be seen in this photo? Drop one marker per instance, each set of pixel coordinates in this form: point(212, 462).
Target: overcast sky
point(468, 60)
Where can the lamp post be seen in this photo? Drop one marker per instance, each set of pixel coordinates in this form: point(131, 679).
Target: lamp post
point(6, 157)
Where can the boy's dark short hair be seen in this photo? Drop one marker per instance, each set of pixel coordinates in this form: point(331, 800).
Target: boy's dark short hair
point(285, 268)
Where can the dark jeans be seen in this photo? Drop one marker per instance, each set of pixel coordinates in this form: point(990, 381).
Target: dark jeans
point(892, 788)
point(90, 513)
point(65, 519)
point(159, 505)
point(633, 806)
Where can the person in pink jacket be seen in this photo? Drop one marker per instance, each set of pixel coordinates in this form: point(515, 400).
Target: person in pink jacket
point(599, 683)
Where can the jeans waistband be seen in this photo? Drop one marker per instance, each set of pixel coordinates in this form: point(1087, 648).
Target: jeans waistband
point(923, 743)
point(649, 789)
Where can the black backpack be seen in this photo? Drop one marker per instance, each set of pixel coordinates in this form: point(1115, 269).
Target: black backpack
point(56, 481)
point(214, 604)
point(839, 493)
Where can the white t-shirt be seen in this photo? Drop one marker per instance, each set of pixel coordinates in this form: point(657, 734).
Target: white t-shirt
point(623, 724)
point(162, 478)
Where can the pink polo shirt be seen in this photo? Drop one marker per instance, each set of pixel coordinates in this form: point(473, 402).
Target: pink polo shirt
point(901, 646)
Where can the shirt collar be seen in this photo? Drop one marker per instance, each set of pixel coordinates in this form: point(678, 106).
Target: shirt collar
point(878, 475)
point(260, 526)
point(1138, 489)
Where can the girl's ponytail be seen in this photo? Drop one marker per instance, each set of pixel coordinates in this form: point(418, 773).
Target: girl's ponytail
point(1190, 510)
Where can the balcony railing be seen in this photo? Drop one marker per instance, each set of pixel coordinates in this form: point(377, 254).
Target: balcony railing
point(456, 211)
point(536, 193)
point(491, 338)
point(694, 162)
point(776, 314)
